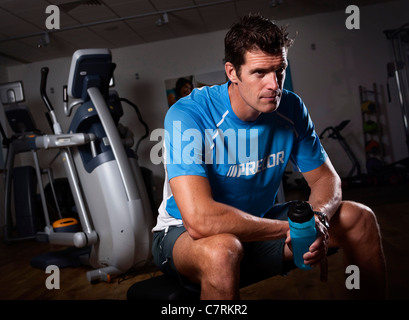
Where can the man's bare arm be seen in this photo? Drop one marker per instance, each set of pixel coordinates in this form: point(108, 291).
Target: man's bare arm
point(325, 185)
point(203, 217)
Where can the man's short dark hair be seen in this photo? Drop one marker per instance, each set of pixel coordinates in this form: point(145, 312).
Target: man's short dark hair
point(254, 32)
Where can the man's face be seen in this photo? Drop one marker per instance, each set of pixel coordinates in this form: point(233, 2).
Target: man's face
point(258, 88)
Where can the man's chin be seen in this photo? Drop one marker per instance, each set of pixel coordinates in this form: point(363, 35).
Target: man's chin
point(271, 108)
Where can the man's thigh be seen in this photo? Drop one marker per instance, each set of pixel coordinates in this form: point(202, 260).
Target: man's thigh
point(177, 254)
point(162, 248)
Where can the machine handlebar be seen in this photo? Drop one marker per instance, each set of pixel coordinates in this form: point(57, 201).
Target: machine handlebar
point(43, 87)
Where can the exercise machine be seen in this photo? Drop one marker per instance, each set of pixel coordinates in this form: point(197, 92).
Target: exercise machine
point(21, 183)
point(354, 176)
point(102, 170)
point(335, 133)
point(400, 70)
point(377, 172)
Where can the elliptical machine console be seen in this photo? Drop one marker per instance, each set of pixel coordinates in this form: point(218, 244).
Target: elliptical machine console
point(90, 68)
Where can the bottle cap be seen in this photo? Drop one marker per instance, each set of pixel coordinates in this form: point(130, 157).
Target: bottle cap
point(300, 211)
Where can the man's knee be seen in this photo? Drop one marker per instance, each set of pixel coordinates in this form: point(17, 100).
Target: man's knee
point(362, 215)
point(223, 251)
point(356, 218)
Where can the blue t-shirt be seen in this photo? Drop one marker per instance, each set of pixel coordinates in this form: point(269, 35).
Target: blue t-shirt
point(243, 161)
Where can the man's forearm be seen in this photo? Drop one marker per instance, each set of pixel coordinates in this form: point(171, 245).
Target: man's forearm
point(326, 195)
point(221, 218)
point(203, 216)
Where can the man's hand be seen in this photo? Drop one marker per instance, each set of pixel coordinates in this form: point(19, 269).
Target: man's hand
point(318, 250)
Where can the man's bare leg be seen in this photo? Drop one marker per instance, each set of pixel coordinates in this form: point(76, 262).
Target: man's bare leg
point(214, 262)
point(354, 228)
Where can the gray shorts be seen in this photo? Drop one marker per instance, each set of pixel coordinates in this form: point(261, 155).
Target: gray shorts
point(262, 259)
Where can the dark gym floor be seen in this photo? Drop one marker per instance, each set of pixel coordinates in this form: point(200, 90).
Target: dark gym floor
point(390, 202)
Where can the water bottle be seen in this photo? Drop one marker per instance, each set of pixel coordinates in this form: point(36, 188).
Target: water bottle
point(302, 230)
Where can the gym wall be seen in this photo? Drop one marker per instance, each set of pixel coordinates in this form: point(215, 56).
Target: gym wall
point(328, 76)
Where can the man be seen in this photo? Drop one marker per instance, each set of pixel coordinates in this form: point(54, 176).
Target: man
point(226, 150)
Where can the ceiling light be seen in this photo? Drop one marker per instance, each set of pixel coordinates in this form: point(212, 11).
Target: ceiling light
point(275, 3)
point(44, 41)
point(164, 19)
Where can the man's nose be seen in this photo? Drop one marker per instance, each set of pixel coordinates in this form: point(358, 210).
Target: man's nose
point(272, 81)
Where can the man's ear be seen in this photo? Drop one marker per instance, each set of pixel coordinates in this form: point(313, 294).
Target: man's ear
point(231, 72)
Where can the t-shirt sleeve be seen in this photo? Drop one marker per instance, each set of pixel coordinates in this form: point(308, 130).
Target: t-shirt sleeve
point(307, 153)
point(184, 141)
